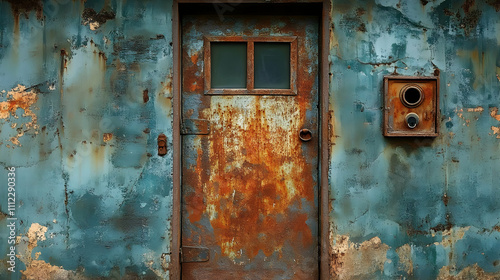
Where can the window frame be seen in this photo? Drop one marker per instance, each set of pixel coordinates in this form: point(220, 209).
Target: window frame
point(250, 90)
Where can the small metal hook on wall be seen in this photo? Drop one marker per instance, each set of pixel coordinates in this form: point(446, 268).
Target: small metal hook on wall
point(162, 144)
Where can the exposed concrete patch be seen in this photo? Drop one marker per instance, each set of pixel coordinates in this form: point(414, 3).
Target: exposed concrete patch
point(470, 272)
point(353, 260)
point(23, 98)
point(41, 270)
point(451, 236)
point(38, 269)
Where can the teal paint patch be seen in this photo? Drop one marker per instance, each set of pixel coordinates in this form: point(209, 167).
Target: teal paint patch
point(90, 172)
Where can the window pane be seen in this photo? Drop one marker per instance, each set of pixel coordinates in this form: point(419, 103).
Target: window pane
point(272, 65)
point(229, 65)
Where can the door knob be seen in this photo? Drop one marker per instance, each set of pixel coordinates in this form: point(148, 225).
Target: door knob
point(305, 135)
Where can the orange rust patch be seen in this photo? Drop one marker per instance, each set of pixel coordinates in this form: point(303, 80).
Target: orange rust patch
point(249, 186)
point(194, 58)
point(20, 98)
point(38, 269)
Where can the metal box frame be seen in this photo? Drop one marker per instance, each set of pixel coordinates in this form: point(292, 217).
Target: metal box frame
point(396, 111)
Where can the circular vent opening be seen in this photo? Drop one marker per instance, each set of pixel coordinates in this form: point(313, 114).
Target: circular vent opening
point(412, 96)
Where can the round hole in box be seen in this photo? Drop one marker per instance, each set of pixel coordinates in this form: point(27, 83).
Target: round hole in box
point(411, 96)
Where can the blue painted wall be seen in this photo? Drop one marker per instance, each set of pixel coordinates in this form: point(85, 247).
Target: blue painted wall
point(86, 88)
point(417, 208)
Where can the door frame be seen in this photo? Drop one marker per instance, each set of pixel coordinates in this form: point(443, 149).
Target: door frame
point(324, 45)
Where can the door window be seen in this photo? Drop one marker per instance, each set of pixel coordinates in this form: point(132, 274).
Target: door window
point(250, 65)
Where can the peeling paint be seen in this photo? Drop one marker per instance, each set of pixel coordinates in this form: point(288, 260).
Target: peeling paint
point(405, 259)
point(494, 113)
point(35, 268)
point(95, 20)
point(86, 86)
point(357, 260)
point(470, 272)
point(107, 137)
point(451, 236)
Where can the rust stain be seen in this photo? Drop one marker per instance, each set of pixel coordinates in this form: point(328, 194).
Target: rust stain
point(471, 272)
point(194, 58)
point(436, 70)
point(495, 4)
point(249, 189)
point(247, 208)
point(361, 27)
point(405, 260)
point(191, 72)
point(452, 235)
point(107, 137)
point(395, 122)
point(494, 113)
point(467, 114)
point(496, 131)
point(360, 12)
point(353, 260)
point(469, 21)
point(37, 269)
point(25, 7)
point(64, 66)
point(167, 87)
point(23, 98)
point(145, 95)
point(445, 197)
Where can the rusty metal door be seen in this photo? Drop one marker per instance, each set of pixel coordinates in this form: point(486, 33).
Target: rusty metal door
point(249, 152)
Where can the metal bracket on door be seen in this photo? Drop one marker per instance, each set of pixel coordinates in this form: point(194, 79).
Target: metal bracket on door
point(195, 127)
point(194, 254)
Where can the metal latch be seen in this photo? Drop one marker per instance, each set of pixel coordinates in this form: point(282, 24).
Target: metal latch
point(194, 254)
point(195, 127)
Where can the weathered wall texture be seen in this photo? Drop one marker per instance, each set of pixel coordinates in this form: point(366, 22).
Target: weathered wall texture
point(86, 88)
point(415, 207)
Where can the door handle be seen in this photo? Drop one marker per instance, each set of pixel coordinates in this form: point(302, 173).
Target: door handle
point(305, 135)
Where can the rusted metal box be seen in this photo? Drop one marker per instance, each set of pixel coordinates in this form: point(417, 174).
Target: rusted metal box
point(411, 106)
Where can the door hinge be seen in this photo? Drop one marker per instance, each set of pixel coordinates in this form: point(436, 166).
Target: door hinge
point(194, 254)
